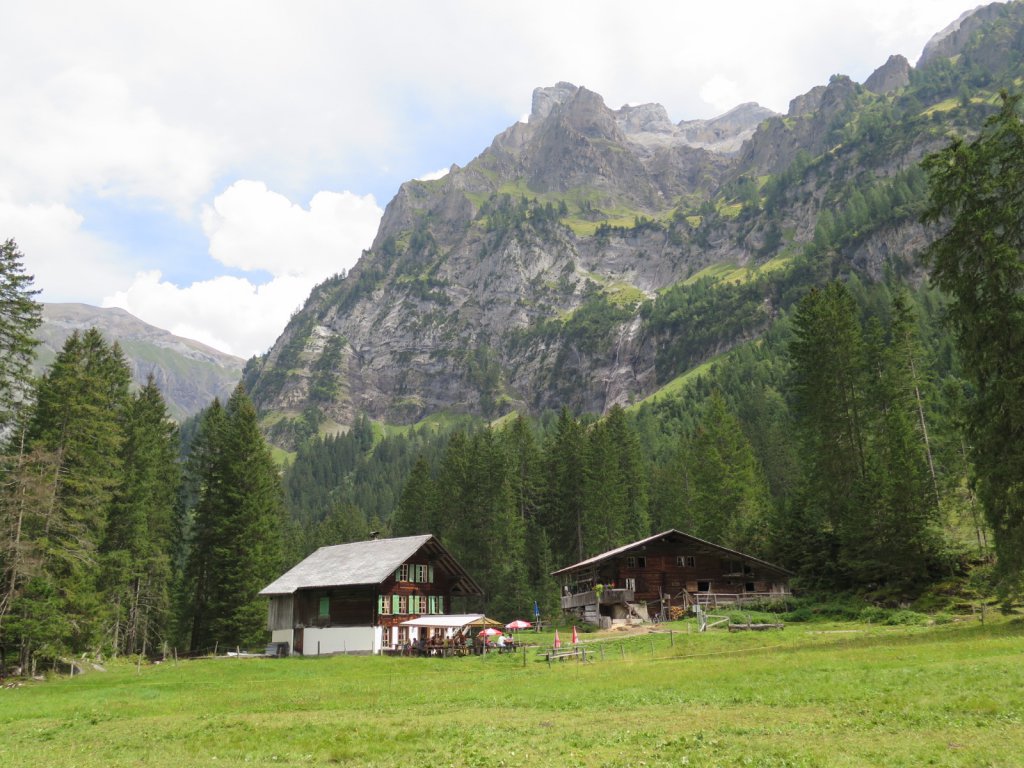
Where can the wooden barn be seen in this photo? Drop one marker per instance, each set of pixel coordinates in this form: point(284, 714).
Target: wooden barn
point(354, 598)
point(649, 578)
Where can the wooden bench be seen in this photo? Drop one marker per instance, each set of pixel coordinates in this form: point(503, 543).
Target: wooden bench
point(575, 653)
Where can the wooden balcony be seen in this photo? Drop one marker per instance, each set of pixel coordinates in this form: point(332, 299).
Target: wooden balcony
point(608, 597)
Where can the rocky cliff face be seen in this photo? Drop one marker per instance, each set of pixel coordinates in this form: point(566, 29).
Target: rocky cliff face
point(189, 374)
point(529, 278)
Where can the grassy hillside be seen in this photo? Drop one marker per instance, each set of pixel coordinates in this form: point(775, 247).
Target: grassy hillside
point(811, 695)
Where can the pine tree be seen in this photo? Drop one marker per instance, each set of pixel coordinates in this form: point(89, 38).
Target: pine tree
point(237, 533)
point(138, 543)
point(828, 370)
point(20, 316)
point(977, 192)
point(79, 418)
point(729, 495)
point(563, 507)
point(417, 506)
point(26, 503)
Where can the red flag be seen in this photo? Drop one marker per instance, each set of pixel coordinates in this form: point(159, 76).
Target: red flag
point(575, 637)
point(558, 642)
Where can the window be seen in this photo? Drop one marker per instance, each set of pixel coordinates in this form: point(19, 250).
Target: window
point(402, 574)
point(686, 561)
point(440, 603)
point(631, 584)
point(403, 635)
point(703, 586)
point(325, 608)
point(403, 604)
point(383, 605)
point(419, 574)
point(750, 587)
point(414, 603)
point(636, 562)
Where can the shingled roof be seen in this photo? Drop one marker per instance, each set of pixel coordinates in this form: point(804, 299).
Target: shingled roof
point(674, 536)
point(365, 563)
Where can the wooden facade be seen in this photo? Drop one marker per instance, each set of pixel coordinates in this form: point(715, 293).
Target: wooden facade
point(353, 598)
point(663, 574)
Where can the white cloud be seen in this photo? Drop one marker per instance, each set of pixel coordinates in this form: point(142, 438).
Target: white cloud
point(228, 313)
point(68, 264)
point(252, 228)
point(83, 131)
point(434, 175)
point(721, 93)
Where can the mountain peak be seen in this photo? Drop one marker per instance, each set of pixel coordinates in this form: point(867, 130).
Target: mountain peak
point(547, 98)
point(949, 41)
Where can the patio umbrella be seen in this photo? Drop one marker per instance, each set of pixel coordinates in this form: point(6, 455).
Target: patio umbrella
point(575, 637)
point(558, 642)
point(490, 631)
point(518, 624)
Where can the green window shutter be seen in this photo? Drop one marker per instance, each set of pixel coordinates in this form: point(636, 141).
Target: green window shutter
point(440, 603)
point(325, 607)
point(394, 604)
point(380, 604)
point(430, 574)
point(432, 604)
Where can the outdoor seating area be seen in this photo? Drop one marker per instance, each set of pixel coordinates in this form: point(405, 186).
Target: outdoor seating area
point(446, 636)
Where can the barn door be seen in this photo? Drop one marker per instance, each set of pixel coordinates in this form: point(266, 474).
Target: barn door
point(298, 641)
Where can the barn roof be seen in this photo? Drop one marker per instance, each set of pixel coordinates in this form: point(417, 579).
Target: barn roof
point(368, 563)
point(670, 535)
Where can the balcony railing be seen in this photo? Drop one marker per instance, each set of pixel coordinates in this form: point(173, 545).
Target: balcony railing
point(608, 597)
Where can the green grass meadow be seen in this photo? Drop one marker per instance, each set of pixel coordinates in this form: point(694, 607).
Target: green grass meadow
point(810, 695)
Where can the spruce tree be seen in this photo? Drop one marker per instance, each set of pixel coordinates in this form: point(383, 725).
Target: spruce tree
point(977, 193)
point(563, 507)
point(20, 316)
point(828, 389)
point(79, 417)
point(138, 543)
point(237, 533)
point(728, 492)
point(416, 511)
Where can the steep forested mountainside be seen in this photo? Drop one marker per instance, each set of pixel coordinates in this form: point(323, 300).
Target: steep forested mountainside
point(590, 255)
point(187, 373)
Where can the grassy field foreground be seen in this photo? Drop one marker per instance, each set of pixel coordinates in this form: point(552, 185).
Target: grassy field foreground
point(811, 695)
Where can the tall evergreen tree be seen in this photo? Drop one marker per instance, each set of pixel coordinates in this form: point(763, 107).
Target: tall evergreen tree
point(79, 418)
point(728, 493)
point(138, 542)
point(563, 508)
point(20, 316)
point(417, 506)
point(977, 192)
point(828, 383)
point(237, 531)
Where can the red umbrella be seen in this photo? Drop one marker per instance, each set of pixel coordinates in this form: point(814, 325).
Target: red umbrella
point(490, 631)
point(575, 637)
point(518, 624)
point(558, 642)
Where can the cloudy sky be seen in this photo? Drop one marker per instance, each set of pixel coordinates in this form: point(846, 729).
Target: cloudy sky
point(204, 164)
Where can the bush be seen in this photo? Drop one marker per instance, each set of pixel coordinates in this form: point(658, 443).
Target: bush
point(798, 615)
point(906, 618)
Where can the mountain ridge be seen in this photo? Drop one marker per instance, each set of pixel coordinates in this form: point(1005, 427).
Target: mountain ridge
point(534, 277)
point(188, 373)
